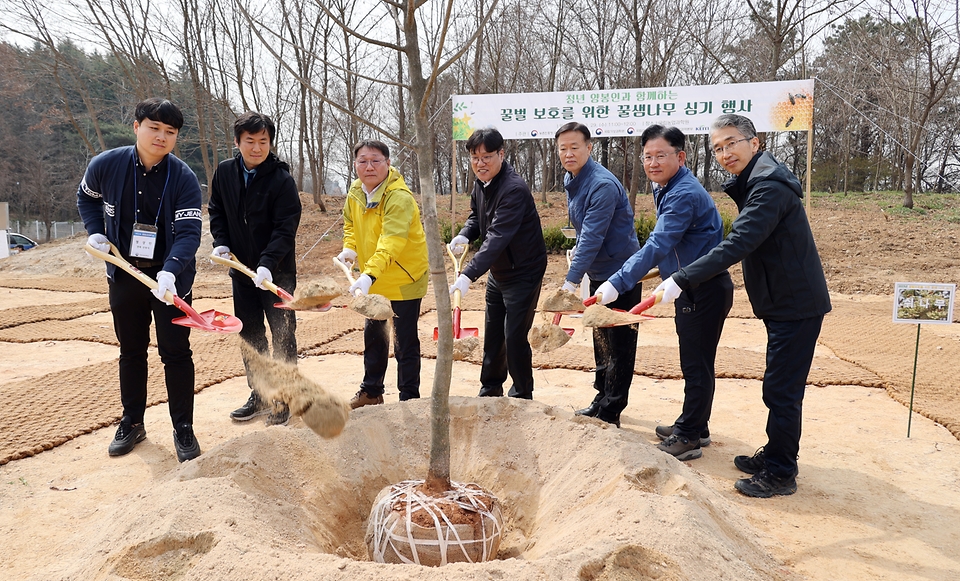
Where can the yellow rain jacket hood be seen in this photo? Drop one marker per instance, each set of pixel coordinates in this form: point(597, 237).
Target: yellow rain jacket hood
point(388, 238)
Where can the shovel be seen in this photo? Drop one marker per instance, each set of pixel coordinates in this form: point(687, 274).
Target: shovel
point(458, 332)
point(376, 307)
point(211, 320)
point(286, 298)
point(652, 273)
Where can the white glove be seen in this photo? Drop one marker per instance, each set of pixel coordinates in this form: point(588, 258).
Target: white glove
point(670, 290)
point(348, 256)
point(607, 293)
point(222, 252)
point(362, 286)
point(459, 244)
point(569, 287)
point(100, 242)
point(263, 275)
point(166, 282)
point(462, 284)
point(571, 253)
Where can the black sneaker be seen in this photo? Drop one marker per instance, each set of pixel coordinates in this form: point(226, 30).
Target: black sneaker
point(279, 416)
point(128, 435)
point(664, 432)
point(681, 448)
point(186, 444)
point(751, 464)
point(253, 408)
point(764, 485)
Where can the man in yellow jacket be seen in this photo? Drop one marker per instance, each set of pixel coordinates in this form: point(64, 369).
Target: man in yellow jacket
point(382, 234)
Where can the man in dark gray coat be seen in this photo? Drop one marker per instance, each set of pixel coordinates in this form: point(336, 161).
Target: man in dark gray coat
point(786, 286)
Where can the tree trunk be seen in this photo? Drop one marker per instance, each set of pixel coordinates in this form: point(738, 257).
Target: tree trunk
point(438, 474)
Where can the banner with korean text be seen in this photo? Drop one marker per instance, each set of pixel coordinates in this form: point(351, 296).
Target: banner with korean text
point(774, 106)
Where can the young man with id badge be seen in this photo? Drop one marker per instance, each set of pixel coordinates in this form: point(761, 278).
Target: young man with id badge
point(146, 202)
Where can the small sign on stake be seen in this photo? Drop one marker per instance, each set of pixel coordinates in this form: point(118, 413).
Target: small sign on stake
point(922, 302)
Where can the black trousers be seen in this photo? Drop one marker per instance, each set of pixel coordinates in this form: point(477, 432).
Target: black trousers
point(700, 314)
point(790, 347)
point(615, 353)
point(406, 350)
point(251, 305)
point(133, 306)
point(511, 306)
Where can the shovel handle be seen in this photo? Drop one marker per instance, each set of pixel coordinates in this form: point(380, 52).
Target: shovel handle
point(237, 265)
point(590, 300)
point(133, 271)
point(652, 273)
point(457, 262)
point(114, 258)
point(647, 303)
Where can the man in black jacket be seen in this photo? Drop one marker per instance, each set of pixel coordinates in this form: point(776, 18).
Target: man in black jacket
point(504, 216)
point(786, 286)
point(254, 214)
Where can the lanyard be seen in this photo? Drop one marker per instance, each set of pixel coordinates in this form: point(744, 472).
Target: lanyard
point(136, 210)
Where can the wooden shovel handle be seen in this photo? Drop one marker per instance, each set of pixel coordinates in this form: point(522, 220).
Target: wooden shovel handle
point(237, 265)
point(114, 258)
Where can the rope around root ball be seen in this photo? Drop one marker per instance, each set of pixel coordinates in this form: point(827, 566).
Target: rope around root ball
point(393, 536)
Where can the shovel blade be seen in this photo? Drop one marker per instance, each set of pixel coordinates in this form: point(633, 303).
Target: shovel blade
point(211, 320)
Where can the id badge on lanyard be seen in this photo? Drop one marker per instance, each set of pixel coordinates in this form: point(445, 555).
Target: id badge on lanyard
point(144, 241)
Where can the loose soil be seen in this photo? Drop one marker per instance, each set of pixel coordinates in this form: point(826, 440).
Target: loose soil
point(580, 498)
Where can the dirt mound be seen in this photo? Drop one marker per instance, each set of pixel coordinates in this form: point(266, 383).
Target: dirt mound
point(307, 502)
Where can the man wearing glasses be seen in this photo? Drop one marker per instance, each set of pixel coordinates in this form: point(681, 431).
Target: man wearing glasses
point(382, 234)
point(688, 226)
point(600, 212)
point(786, 286)
point(504, 216)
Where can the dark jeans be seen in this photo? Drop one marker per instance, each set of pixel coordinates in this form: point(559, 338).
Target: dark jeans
point(133, 306)
point(790, 346)
point(700, 313)
point(511, 306)
point(615, 352)
point(251, 305)
point(406, 350)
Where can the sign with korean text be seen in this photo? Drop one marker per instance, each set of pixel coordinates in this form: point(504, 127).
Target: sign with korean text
point(774, 106)
point(923, 302)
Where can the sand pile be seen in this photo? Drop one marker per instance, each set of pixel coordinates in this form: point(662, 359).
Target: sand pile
point(275, 380)
point(464, 348)
point(580, 502)
point(315, 293)
point(600, 316)
point(547, 337)
point(561, 301)
point(376, 307)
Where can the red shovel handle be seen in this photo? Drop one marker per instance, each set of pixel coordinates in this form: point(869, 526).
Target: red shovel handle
point(590, 300)
point(647, 303)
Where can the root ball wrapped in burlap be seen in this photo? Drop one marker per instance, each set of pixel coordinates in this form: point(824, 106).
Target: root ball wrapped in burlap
point(323, 412)
point(407, 525)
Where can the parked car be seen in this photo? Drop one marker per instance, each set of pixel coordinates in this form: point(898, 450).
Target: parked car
point(19, 242)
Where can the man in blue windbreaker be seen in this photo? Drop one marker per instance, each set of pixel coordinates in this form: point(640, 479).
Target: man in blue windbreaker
point(600, 212)
point(688, 226)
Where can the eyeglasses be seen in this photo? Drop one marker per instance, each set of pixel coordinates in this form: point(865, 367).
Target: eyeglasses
point(370, 162)
point(727, 147)
point(660, 157)
point(485, 159)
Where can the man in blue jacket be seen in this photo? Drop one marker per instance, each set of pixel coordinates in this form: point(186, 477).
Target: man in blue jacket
point(254, 214)
point(504, 216)
point(786, 286)
point(688, 226)
point(600, 212)
point(146, 202)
